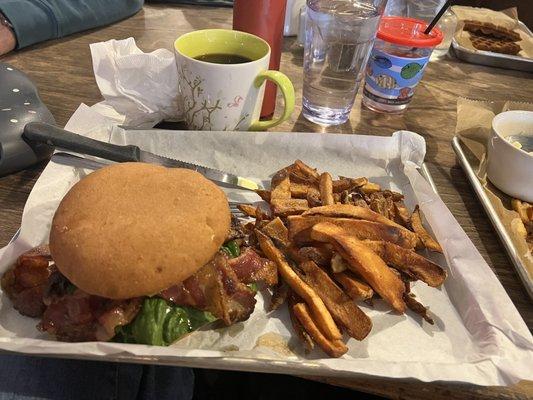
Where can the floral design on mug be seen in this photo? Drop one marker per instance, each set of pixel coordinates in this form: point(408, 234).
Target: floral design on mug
point(198, 112)
point(236, 102)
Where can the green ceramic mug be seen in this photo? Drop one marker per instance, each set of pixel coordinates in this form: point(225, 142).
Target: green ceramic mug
point(217, 96)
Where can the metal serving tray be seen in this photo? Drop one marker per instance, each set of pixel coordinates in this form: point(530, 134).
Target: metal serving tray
point(495, 59)
point(493, 216)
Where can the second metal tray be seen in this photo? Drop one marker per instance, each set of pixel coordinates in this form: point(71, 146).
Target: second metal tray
point(495, 59)
point(493, 216)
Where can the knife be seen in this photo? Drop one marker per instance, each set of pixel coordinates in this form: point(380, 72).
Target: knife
point(57, 137)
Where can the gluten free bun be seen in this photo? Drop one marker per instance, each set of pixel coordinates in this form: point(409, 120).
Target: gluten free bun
point(134, 229)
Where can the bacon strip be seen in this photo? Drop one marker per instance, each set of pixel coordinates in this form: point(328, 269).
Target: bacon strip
point(249, 268)
point(80, 317)
point(216, 287)
point(26, 282)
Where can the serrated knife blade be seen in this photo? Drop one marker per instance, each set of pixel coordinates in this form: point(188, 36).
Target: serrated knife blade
point(54, 136)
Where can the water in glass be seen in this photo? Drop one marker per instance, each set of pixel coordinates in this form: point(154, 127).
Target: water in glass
point(338, 38)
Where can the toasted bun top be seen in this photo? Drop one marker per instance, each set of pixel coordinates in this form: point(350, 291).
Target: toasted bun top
point(134, 229)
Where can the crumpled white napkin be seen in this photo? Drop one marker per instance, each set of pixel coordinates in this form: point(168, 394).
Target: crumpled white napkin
point(141, 87)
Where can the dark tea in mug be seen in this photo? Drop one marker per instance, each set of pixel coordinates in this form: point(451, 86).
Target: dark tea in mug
point(221, 58)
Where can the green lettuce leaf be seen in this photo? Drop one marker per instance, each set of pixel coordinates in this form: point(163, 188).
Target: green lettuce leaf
point(232, 249)
point(160, 323)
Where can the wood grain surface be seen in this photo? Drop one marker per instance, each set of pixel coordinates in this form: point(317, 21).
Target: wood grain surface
point(63, 72)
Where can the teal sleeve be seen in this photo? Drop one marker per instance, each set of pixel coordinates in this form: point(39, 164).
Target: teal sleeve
point(38, 20)
point(217, 3)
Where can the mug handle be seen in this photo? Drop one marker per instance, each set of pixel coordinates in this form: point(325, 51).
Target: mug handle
point(287, 90)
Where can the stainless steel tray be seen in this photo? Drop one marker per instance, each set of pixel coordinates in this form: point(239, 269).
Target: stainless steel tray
point(495, 59)
point(493, 216)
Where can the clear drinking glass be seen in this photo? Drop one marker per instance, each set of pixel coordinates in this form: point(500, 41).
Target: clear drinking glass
point(424, 9)
point(338, 38)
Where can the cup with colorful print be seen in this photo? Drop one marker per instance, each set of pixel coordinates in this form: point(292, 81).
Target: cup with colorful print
point(221, 77)
point(397, 62)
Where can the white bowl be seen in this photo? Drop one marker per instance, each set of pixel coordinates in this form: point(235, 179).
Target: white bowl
point(510, 169)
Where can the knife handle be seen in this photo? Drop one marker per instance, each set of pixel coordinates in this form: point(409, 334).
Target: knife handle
point(52, 135)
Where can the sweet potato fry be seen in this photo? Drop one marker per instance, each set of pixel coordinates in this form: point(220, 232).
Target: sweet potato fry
point(365, 262)
point(264, 194)
point(279, 295)
point(342, 308)
point(320, 312)
point(351, 211)
point(277, 231)
point(313, 199)
point(343, 184)
point(281, 190)
point(370, 187)
point(425, 237)
point(401, 214)
point(320, 255)
point(307, 170)
point(248, 209)
point(325, 186)
point(409, 262)
point(382, 205)
point(524, 210)
point(356, 289)
point(300, 230)
point(305, 338)
point(285, 207)
point(417, 307)
point(333, 348)
point(300, 190)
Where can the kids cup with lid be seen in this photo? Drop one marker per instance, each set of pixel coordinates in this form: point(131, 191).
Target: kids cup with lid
point(397, 62)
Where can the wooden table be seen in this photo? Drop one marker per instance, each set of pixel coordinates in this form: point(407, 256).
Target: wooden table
point(62, 70)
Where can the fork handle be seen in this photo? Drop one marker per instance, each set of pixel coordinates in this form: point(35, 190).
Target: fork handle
point(57, 137)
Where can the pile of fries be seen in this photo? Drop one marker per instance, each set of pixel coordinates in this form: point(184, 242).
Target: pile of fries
point(525, 211)
point(335, 243)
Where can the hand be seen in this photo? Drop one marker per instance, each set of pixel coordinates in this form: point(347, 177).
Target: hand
point(8, 41)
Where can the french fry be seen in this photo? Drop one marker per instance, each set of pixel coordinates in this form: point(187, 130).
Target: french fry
point(297, 326)
point(401, 213)
point(264, 194)
point(333, 348)
point(307, 170)
point(325, 186)
point(313, 199)
point(248, 209)
point(343, 310)
point(524, 210)
point(277, 231)
point(279, 295)
point(343, 184)
point(320, 312)
point(300, 190)
point(281, 190)
point(286, 207)
point(425, 237)
point(351, 211)
point(382, 205)
point(320, 254)
point(417, 307)
point(300, 230)
point(409, 262)
point(370, 187)
point(363, 261)
point(356, 289)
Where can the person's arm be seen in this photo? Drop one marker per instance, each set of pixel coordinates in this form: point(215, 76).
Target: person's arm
point(216, 3)
point(38, 20)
